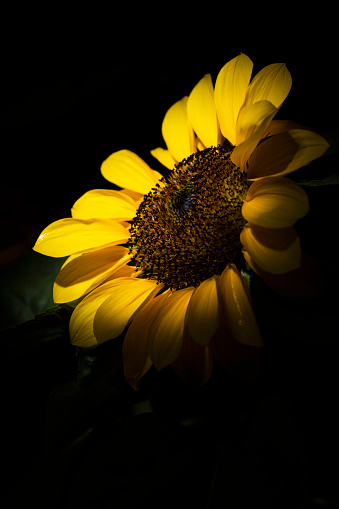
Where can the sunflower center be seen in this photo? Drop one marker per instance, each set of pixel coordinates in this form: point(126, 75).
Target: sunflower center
point(187, 229)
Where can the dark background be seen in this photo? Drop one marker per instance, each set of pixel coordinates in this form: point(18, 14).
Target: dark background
point(66, 108)
point(69, 101)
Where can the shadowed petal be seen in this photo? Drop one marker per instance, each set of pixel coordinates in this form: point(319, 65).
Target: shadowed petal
point(280, 126)
point(238, 308)
point(167, 330)
point(304, 283)
point(203, 311)
point(275, 251)
point(285, 152)
point(239, 359)
point(135, 346)
point(250, 129)
point(275, 203)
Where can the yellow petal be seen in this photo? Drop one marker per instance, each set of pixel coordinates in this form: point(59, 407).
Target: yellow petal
point(237, 307)
point(252, 119)
point(201, 146)
point(305, 283)
point(135, 347)
point(137, 197)
point(203, 311)
point(116, 312)
point(167, 330)
point(123, 271)
point(250, 129)
point(126, 169)
point(285, 152)
point(272, 84)
point(81, 323)
point(69, 236)
point(275, 202)
point(202, 112)
point(177, 131)
point(104, 204)
point(164, 157)
point(82, 273)
point(280, 126)
point(230, 92)
point(275, 251)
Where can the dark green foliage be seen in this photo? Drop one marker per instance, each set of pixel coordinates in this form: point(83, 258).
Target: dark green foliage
point(75, 435)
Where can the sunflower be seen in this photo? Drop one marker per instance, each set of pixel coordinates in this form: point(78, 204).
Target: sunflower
point(165, 254)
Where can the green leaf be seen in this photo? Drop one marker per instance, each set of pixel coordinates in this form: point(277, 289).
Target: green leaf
point(27, 288)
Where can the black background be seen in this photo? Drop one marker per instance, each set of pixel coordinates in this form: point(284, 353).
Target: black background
point(67, 105)
point(72, 97)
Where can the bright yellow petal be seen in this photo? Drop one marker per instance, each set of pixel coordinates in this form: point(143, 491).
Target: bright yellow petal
point(81, 323)
point(137, 197)
point(275, 251)
point(202, 112)
point(272, 84)
point(285, 152)
point(123, 271)
point(104, 204)
point(203, 311)
point(237, 307)
point(252, 119)
point(230, 91)
point(275, 203)
point(69, 236)
point(164, 157)
point(201, 146)
point(167, 330)
point(116, 312)
point(82, 273)
point(126, 169)
point(135, 346)
point(177, 131)
point(250, 129)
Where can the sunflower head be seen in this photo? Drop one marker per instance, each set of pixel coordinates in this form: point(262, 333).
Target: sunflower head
point(225, 197)
point(188, 228)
